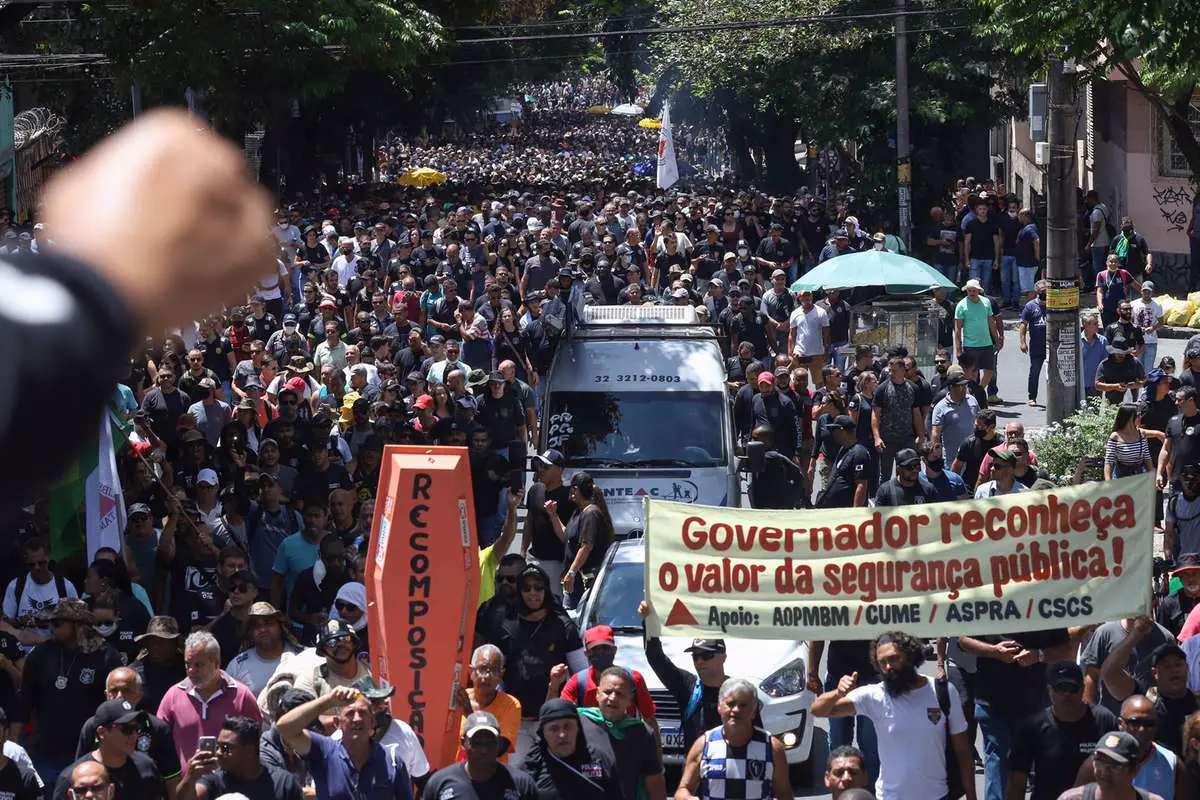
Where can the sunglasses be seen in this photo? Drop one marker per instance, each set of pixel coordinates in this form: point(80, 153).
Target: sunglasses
point(507, 578)
point(342, 605)
point(239, 587)
point(129, 728)
point(1140, 722)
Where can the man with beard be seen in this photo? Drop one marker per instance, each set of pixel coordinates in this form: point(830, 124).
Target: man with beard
point(1010, 680)
point(164, 404)
point(396, 736)
point(332, 662)
point(911, 720)
point(541, 649)
point(1056, 741)
point(737, 758)
point(1173, 701)
point(562, 764)
point(1175, 609)
point(265, 629)
point(340, 767)
point(581, 688)
point(776, 410)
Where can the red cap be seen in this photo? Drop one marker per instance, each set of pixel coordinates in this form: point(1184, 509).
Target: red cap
point(598, 634)
point(296, 384)
point(424, 401)
point(765, 377)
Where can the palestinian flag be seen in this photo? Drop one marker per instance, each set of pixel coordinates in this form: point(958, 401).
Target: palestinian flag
point(87, 509)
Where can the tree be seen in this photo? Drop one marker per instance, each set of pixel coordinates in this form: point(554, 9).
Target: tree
point(1152, 43)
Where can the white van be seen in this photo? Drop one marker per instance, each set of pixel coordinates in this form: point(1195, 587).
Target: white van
point(636, 396)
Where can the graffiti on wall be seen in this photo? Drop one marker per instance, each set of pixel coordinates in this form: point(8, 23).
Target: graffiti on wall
point(1174, 203)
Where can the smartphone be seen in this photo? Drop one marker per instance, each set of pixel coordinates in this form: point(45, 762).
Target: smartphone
point(208, 744)
point(516, 480)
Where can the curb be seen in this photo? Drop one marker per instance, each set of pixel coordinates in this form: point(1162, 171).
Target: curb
point(1163, 333)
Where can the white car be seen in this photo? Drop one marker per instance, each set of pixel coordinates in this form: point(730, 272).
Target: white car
point(776, 667)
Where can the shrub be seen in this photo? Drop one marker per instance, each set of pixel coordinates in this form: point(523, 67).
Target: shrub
point(1080, 436)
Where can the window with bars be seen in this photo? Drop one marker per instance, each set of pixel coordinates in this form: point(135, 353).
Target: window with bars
point(1173, 163)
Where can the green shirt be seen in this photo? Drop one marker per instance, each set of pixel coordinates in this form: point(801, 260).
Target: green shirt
point(977, 331)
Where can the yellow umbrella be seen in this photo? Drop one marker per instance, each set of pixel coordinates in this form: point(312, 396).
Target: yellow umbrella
point(650, 122)
point(599, 110)
point(422, 178)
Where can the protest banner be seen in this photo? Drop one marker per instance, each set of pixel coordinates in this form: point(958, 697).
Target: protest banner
point(422, 581)
point(1028, 561)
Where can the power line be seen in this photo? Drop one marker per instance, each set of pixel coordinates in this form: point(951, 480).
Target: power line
point(708, 28)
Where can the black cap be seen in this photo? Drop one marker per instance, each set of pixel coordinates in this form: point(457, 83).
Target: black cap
point(706, 646)
point(842, 422)
point(1119, 746)
point(1166, 650)
point(557, 708)
point(116, 712)
point(1065, 676)
point(908, 458)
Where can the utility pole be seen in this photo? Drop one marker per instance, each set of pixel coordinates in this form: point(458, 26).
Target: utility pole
point(903, 167)
point(1062, 295)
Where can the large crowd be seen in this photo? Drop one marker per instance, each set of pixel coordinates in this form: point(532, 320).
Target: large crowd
point(223, 649)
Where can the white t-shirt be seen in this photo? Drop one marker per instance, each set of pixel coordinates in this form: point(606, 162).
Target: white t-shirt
point(1098, 215)
point(253, 670)
point(808, 327)
point(346, 268)
point(1146, 315)
point(289, 237)
point(912, 739)
point(403, 746)
point(37, 598)
point(268, 287)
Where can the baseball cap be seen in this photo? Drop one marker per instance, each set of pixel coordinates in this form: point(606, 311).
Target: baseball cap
point(289, 319)
point(481, 721)
point(424, 401)
point(765, 377)
point(955, 376)
point(599, 635)
point(551, 458)
point(778, 274)
point(1002, 455)
point(1148, 286)
point(842, 422)
point(1166, 650)
point(1119, 746)
point(1065, 676)
point(139, 508)
point(908, 458)
point(1186, 561)
point(117, 712)
point(706, 646)
point(208, 476)
point(730, 257)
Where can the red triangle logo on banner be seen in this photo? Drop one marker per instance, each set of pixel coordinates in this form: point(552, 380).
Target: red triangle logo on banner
point(680, 615)
point(106, 505)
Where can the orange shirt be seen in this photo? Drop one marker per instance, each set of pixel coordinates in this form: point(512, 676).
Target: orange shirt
point(507, 711)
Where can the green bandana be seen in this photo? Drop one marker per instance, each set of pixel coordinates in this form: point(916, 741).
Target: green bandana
point(1121, 247)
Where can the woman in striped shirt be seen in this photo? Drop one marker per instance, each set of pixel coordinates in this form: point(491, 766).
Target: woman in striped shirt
point(1127, 451)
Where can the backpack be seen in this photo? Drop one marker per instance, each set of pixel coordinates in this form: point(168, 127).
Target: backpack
point(954, 784)
point(1109, 228)
point(60, 585)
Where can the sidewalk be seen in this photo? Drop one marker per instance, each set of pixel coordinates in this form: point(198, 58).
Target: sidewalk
point(1011, 321)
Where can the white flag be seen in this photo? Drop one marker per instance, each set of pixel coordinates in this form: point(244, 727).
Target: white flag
point(104, 502)
point(668, 167)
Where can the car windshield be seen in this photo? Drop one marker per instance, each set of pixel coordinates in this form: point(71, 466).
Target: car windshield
point(619, 594)
point(638, 429)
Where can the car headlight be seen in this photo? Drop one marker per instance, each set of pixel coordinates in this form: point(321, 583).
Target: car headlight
point(785, 681)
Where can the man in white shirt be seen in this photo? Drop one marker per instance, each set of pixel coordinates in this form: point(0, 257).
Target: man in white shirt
point(36, 591)
point(911, 721)
point(808, 331)
point(345, 264)
point(255, 665)
point(1147, 315)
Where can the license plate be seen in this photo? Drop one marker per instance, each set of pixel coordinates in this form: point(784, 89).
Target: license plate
point(672, 738)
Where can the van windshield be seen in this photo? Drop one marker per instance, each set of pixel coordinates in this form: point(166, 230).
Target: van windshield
point(638, 429)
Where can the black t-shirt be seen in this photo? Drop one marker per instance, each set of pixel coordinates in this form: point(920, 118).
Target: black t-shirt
point(892, 493)
point(853, 464)
point(505, 784)
point(62, 712)
point(839, 320)
point(10, 700)
point(19, 782)
point(1012, 690)
point(1184, 433)
point(588, 526)
point(487, 479)
point(753, 330)
point(971, 453)
point(545, 544)
point(946, 253)
point(154, 740)
point(531, 649)
point(635, 755)
point(1056, 749)
point(983, 245)
point(136, 779)
point(271, 784)
point(1126, 370)
point(196, 598)
point(848, 657)
point(314, 487)
point(502, 417)
point(1174, 609)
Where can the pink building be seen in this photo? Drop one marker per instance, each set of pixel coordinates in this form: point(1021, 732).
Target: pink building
point(1125, 153)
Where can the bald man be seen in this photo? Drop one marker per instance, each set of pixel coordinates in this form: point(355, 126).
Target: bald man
point(1159, 771)
point(154, 739)
point(91, 775)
